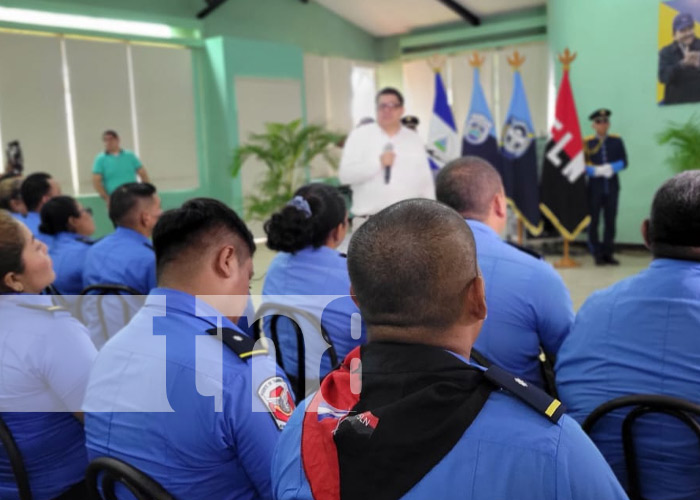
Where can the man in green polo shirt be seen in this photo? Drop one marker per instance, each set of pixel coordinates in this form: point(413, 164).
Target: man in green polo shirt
point(115, 166)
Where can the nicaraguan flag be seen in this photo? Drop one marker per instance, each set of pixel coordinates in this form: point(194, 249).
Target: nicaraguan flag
point(479, 135)
point(443, 140)
point(519, 160)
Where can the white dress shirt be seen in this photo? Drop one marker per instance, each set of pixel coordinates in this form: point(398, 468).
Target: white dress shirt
point(361, 168)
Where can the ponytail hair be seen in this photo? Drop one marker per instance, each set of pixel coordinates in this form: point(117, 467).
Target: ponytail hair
point(56, 213)
point(307, 220)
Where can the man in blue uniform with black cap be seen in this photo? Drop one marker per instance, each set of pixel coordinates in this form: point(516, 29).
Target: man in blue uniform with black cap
point(679, 63)
point(181, 393)
point(407, 416)
point(605, 158)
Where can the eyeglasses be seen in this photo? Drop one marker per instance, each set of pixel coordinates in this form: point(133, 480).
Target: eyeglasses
point(601, 120)
point(387, 105)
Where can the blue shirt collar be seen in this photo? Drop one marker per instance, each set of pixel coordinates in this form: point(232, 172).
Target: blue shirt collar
point(125, 232)
point(479, 227)
point(33, 216)
point(178, 301)
point(664, 263)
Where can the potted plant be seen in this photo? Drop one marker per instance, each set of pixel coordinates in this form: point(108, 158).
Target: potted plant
point(285, 149)
point(684, 140)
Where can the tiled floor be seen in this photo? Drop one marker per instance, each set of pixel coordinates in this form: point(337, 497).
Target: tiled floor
point(581, 281)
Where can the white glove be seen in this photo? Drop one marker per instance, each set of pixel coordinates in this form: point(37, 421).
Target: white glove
point(604, 170)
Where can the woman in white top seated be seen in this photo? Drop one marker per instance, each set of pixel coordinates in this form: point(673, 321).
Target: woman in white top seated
point(45, 358)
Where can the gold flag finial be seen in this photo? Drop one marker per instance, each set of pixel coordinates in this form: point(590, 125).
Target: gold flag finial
point(516, 60)
point(567, 58)
point(476, 60)
point(437, 62)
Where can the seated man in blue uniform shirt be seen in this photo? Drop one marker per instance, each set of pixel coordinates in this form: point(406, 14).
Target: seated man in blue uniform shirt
point(124, 257)
point(36, 190)
point(640, 336)
point(529, 305)
point(406, 416)
point(181, 393)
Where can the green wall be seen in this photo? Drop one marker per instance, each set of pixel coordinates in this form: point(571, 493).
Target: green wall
point(616, 68)
point(308, 26)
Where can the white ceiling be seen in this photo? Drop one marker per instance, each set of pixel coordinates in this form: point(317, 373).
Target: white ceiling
point(393, 17)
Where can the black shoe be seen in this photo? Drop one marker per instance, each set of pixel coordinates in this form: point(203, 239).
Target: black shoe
point(599, 261)
point(610, 260)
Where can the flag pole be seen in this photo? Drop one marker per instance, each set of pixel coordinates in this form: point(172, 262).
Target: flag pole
point(515, 62)
point(566, 262)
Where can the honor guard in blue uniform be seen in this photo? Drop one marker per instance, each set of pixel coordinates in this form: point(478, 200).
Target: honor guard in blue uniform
point(310, 274)
point(45, 359)
point(36, 190)
point(640, 336)
point(605, 158)
point(406, 416)
point(181, 393)
point(71, 225)
point(529, 306)
point(124, 257)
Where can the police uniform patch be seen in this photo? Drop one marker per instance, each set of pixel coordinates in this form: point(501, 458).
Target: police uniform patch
point(277, 399)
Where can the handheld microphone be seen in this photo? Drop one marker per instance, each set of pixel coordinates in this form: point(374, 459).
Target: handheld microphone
point(387, 168)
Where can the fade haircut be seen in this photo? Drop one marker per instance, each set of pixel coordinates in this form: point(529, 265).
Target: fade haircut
point(125, 199)
point(411, 265)
point(190, 229)
point(674, 224)
point(468, 185)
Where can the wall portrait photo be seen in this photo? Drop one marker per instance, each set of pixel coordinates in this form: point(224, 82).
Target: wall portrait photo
point(678, 79)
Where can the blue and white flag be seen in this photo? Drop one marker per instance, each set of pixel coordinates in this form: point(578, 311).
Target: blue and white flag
point(443, 140)
point(519, 160)
point(479, 135)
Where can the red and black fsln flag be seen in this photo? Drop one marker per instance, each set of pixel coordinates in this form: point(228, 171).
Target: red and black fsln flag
point(563, 197)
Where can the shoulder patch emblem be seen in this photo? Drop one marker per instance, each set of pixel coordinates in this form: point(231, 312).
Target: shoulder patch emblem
point(277, 399)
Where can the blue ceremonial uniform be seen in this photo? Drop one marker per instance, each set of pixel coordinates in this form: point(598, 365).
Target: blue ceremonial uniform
point(124, 257)
point(528, 306)
point(44, 364)
point(603, 193)
point(314, 272)
point(32, 221)
point(68, 254)
point(509, 451)
point(168, 397)
point(640, 336)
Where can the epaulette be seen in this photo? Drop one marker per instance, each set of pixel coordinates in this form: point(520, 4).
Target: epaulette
point(343, 256)
point(525, 250)
point(588, 138)
point(148, 245)
point(535, 397)
point(239, 343)
point(50, 309)
point(614, 136)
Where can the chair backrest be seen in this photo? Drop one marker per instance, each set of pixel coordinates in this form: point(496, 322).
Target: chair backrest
point(98, 292)
point(277, 311)
point(642, 404)
point(113, 472)
point(16, 462)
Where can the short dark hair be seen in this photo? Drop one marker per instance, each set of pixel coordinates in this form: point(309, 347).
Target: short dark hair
point(10, 187)
point(389, 91)
point(674, 224)
point(410, 265)
point(34, 187)
point(193, 226)
point(126, 197)
point(468, 185)
point(11, 246)
point(113, 133)
point(291, 229)
point(55, 214)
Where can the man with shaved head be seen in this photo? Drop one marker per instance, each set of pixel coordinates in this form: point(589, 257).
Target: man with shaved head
point(407, 416)
point(529, 306)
